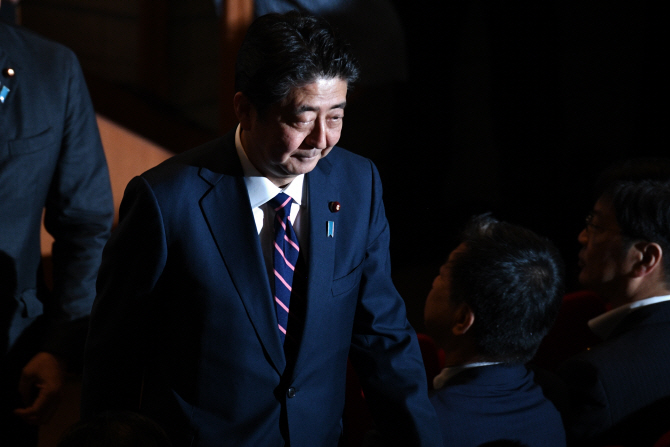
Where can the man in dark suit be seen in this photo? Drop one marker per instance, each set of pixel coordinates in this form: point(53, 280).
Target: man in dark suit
point(489, 308)
point(192, 325)
point(51, 160)
point(620, 388)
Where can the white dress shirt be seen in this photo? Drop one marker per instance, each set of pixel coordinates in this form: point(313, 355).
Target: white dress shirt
point(440, 380)
point(604, 324)
point(261, 190)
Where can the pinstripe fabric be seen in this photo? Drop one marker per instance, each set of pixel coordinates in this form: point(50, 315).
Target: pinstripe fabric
point(285, 256)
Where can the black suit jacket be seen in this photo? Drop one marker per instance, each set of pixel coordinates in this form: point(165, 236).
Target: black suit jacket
point(51, 159)
point(620, 388)
point(184, 324)
point(496, 403)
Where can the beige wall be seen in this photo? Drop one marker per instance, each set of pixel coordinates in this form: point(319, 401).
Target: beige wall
point(127, 155)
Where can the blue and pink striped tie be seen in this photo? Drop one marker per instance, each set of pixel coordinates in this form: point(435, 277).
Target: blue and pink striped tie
point(285, 256)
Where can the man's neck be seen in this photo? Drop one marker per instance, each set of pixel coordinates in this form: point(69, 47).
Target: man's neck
point(459, 356)
point(639, 292)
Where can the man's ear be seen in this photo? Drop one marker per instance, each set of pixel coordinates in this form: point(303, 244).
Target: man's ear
point(648, 258)
point(463, 319)
point(244, 110)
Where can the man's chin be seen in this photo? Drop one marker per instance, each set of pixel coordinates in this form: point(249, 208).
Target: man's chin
point(303, 165)
point(594, 286)
point(585, 281)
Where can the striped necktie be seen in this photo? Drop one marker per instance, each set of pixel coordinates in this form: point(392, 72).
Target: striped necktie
point(285, 256)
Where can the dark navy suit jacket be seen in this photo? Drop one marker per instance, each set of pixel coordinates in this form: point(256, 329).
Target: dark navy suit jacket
point(184, 324)
point(620, 388)
point(495, 403)
point(51, 160)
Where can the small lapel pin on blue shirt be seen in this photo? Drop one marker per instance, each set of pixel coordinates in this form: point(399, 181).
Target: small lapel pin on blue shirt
point(331, 228)
point(4, 91)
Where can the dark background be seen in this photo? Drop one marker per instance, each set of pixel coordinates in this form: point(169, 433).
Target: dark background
point(512, 107)
point(515, 107)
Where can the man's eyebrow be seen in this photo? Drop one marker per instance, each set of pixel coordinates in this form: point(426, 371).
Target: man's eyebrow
point(308, 108)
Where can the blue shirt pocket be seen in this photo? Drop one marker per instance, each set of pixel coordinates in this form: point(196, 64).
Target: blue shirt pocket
point(32, 144)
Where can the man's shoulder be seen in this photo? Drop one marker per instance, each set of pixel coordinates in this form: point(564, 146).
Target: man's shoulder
point(643, 344)
point(340, 156)
point(347, 167)
point(495, 379)
point(624, 375)
point(634, 336)
point(25, 46)
point(217, 157)
point(481, 407)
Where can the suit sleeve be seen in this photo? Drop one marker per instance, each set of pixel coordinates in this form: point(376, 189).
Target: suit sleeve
point(121, 324)
point(384, 350)
point(587, 415)
point(78, 213)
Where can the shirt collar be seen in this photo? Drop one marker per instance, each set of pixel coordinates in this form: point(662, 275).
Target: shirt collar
point(259, 188)
point(603, 325)
point(447, 373)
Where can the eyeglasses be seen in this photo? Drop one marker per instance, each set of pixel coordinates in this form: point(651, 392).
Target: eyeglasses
point(592, 228)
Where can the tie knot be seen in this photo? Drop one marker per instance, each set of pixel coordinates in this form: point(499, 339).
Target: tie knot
point(281, 203)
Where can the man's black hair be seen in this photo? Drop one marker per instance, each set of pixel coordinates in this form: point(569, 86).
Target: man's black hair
point(512, 280)
point(632, 170)
point(639, 192)
point(281, 52)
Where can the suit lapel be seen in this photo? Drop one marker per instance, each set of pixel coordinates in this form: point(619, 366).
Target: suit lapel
point(228, 213)
point(10, 83)
point(321, 256)
point(658, 313)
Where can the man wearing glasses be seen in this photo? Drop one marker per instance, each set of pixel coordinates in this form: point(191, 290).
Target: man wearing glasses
point(620, 388)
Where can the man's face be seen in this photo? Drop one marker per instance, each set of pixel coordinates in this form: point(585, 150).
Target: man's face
point(603, 259)
point(295, 134)
point(439, 309)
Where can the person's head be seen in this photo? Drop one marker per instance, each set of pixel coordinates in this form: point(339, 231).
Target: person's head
point(625, 238)
point(291, 77)
point(282, 52)
point(497, 295)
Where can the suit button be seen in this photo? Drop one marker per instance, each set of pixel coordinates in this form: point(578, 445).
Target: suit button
point(291, 392)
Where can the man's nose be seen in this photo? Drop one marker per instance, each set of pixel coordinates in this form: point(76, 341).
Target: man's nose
point(583, 237)
point(318, 137)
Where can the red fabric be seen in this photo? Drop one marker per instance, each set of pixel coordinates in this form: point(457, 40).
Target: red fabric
point(357, 419)
point(570, 334)
point(433, 357)
point(664, 441)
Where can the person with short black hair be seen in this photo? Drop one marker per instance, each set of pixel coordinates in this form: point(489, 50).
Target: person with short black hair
point(494, 300)
point(279, 55)
point(620, 388)
point(244, 273)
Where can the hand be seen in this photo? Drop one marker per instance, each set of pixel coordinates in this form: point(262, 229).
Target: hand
point(40, 386)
